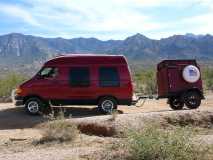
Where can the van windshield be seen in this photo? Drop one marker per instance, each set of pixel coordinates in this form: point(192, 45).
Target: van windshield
point(48, 72)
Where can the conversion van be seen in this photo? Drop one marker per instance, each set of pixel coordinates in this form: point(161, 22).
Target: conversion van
point(75, 79)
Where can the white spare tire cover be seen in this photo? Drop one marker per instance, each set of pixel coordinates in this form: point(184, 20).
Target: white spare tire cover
point(191, 74)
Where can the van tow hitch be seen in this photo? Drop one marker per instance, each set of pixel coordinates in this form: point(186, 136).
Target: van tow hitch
point(140, 100)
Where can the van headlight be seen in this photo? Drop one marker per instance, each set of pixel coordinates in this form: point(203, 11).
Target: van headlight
point(18, 91)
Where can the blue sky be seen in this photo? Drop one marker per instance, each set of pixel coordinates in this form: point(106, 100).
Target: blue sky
point(110, 19)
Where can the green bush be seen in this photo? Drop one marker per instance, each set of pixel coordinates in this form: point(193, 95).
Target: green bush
point(207, 75)
point(159, 144)
point(153, 143)
point(10, 82)
point(145, 81)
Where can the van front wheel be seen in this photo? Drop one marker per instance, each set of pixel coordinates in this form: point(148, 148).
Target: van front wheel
point(107, 104)
point(33, 106)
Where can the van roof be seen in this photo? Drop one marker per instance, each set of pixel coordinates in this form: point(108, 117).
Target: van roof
point(87, 59)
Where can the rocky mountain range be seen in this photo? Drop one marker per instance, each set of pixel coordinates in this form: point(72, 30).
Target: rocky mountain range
point(18, 49)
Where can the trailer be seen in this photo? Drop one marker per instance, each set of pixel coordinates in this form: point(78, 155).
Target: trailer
point(180, 82)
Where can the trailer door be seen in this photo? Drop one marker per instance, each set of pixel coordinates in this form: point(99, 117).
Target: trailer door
point(174, 76)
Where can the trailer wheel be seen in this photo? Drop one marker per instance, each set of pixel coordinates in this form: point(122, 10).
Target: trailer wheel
point(176, 103)
point(192, 99)
point(107, 105)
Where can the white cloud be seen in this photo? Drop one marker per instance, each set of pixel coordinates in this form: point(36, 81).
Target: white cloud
point(207, 3)
point(18, 12)
point(128, 22)
point(115, 17)
point(202, 23)
point(154, 3)
point(105, 16)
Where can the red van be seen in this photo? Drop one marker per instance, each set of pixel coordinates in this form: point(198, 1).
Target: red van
point(180, 81)
point(75, 79)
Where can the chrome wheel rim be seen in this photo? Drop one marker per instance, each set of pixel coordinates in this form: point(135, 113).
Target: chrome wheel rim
point(107, 106)
point(33, 107)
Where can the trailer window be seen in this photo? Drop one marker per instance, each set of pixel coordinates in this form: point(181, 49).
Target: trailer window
point(109, 77)
point(79, 77)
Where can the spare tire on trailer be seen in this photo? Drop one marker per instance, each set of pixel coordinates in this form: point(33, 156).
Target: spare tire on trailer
point(191, 74)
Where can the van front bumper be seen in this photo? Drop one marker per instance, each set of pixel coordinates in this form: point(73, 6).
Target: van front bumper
point(19, 100)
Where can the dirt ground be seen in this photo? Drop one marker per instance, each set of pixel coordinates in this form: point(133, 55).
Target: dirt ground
point(17, 130)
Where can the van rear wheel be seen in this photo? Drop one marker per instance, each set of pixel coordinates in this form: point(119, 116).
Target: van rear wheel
point(33, 106)
point(176, 103)
point(192, 99)
point(107, 105)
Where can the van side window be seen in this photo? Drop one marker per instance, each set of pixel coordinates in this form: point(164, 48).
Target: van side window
point(79, 77)
point(49, 72)
point(109, 77)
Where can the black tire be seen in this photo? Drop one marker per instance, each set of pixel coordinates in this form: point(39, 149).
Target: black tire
point(33, 106)
point(176, 103)
point(192, 99)
point(107, 105)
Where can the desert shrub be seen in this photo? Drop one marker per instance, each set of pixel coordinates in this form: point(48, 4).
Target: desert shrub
point(114, 115)
point(176, 144)
point(203, 120)
point(10, 82)
point(145, 81)
point(58, 131)
point(207, 75)
point(154, 143)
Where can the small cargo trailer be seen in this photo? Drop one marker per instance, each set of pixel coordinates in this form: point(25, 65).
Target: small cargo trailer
point(180, 81)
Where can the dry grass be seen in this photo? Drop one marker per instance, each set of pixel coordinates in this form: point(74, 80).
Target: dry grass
point(204, 119)
point(114, 115)
point(153, 143)
point(173, 137)
point(116, 127)
point(58, 131)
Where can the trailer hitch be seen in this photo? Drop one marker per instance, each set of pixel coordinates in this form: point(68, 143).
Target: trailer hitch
point(144, 98)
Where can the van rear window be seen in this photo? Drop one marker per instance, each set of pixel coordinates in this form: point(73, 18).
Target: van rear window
point(109, 77)
point(79, 77)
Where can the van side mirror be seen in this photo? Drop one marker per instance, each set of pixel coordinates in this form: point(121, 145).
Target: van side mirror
point(38, 76)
